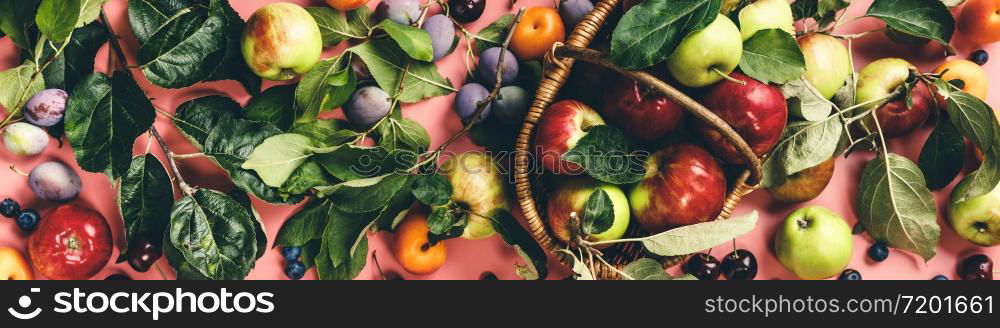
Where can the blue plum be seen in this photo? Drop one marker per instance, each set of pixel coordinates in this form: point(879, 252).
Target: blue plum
point(404, 12)
point(573, 11)
point(512, 104)
point(468, 99)
point(367, 106)
point(46, 108)
point(24, 139)
point(488, 66)
point(442, 32)
point(54, 181)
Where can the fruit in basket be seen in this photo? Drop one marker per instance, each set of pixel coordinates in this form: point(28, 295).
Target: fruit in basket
point(467, 102)
point(345, 5)
point(814, 243)
point(573, 11)
point(766, 14)
point(488, 61)
point(367, 106)
point(54, 181)
point(512, 104)
point(24, 139)
point(683, 185)
point(642, 113)
point(46, 108)
point(561, 126)
point(405, 12)
point(442, 33)
point(756, 110)
point(741, 264)
point(477, 186)
point(976, 220)
point(976, 267)
point(828, 64)
point(13, 266)
point(71, 243)
point(281, 41)
point(972, 76)
point(466, 11)
point(704, 56)
point(572, 196)
point(805, 185)
point(879, 79)
point(411, 247)
point(703, 266)
point(539, 29)
point(980, 21)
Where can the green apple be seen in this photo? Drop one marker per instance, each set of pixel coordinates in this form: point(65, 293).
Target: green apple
point(703, 56)
point(814, 243)
point(477, 186)
point(281, 41)
point(766, 14)
point(572, 196)
point(828, 65)
point(976, 220)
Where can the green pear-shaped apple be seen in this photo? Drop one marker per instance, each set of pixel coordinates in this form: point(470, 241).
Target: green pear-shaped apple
point(766, 14)
point(478, 186)
point(976, 220)
point(814, 243)
point(828, 65)
point(704, 56)
point(572, 196)
point(281, 41)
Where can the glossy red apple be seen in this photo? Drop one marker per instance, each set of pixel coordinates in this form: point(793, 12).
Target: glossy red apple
point(879, 79)
point(563, 125)
point(643, 114)
point(757, 111)
point(683, 185)
point(898, 120)
point(71, 243)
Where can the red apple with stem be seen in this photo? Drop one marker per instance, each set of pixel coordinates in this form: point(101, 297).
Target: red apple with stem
point(71, 243)
point(756, 110)
point(563, 125)
point(683, 185)
point(643, 114)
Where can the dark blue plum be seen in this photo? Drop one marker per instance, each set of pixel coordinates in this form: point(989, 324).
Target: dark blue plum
point(512, 104)
point(573, 11)
point(367, 106)
point(46, 108)
point(467, 100)
point(488, 66)
point(404, 12)
point(54, 181)
point(442, 32)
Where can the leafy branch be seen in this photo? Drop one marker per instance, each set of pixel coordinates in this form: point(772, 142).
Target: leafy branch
point(23, 94)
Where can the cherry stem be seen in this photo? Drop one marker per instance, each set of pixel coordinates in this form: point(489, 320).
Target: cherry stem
point(14, 168)
point(727, 77)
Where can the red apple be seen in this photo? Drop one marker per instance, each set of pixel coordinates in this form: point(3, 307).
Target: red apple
point(572, 196)
point(757, 111)
point(563, 125)
point(683, 185)
point(643, 114)
point(71, 243)
point(897, 120)
point(879, 79)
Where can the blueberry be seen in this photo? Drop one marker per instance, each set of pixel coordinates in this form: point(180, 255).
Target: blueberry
point(9, 208)
point(291, 253)
point(27, 220)
point(878, 252)
point(850, 274)
point(980, 57)
point(295, 270)
point(940, 277)
point(488, 276)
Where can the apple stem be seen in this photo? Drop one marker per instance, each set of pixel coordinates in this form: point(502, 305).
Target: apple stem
point(19, 172)
point(727, 77)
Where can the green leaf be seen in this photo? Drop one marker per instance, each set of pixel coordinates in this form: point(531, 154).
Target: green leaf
point(89, 11)
point(353, 162)
point(77, 59)
point(148, 16)
point(278, 156)
point(17, 17)
point(803, 145)
point(977, 122)
point(896, 207)
point(406, 134)
point(516, 236)
point(580, 270)
point(387, 62)
point(232, 66)
point(243, 198)
point(698, 237)
point(215, 234)
point(17, 85)
point(492, 35)
point(104, 116)
point(772, 56)
point(651, 31)
point(605, 155)
point(145, 198)
point(414, 41)
point(186, 50)
point(324, 130)
point(395, 210)
point(432, 189)
point(306, 176)
point(804, 101)
point(367, 195)
point(333, 26)
point(928, 19)
point(650, 269)
point(275, 105)
point(306, 225)
point(802, 9)
point(184, 269)
point(346, 271)
point(598, 213)
point(943, 155)
point(442, 219)
point(327, 86)
point(343, 233)
point(309, 253)
point(56, 19)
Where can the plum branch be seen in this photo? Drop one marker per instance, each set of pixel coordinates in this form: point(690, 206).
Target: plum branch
point(21, 97)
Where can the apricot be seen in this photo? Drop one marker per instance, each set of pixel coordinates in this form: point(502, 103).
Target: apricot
point(413, 249)
point(539, 29)
point(13, 265)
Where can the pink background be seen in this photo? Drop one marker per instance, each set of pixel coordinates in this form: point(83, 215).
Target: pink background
point(469, 259)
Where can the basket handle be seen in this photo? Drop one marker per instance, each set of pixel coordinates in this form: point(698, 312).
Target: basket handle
point(698, 110)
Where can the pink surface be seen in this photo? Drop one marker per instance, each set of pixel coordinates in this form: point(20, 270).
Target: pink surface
point(469, 259)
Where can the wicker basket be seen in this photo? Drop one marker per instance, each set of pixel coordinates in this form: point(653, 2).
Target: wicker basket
point(529, 187)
